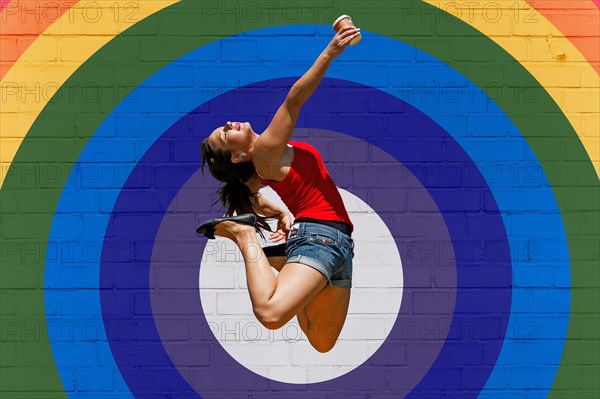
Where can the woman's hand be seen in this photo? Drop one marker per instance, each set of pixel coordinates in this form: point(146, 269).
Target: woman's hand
point(283, 228)
point(341, 39)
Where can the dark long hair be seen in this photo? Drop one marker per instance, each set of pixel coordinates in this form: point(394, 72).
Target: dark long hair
point(235, 195)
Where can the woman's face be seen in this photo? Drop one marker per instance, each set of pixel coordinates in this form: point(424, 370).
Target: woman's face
point(233, 137)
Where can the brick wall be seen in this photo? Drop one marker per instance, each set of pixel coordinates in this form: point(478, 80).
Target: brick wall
point(55, 342)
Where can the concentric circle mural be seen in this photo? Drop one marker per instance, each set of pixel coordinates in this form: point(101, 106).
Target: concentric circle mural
point(463, 136)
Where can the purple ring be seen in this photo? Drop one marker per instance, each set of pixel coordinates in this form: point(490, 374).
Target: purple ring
point(177, 251)
point(478, 302)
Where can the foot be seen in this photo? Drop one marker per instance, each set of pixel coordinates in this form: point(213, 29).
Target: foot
point(233, 230)
point(208, 227)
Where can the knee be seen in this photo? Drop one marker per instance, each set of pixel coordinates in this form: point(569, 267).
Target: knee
point(323, 347)
point(269, 317)
point(321, 344)
point(323, 337)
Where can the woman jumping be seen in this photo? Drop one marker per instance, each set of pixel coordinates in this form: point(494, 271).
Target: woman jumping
point(315, 270)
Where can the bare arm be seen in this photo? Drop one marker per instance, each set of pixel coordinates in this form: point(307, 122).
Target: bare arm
point(273, 141)
point(262, 206)
point(268, 209)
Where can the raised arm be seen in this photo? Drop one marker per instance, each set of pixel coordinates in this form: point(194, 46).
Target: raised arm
point(272, 142)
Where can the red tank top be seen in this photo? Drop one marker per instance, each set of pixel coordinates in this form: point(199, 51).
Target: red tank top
point(308, 190)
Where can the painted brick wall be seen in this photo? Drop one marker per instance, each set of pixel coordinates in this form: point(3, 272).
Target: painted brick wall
point(55, 342)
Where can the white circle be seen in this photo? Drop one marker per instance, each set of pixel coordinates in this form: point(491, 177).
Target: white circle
point(285, 354)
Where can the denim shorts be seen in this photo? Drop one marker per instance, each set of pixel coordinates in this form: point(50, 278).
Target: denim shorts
point(323, 248)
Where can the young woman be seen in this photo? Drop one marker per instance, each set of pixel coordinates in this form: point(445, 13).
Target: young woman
point(315, 273)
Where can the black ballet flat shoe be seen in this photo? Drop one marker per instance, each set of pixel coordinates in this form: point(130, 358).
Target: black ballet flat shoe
point(274, 250)
point(208, 228)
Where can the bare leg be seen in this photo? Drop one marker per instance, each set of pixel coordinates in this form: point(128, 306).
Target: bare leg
point(275, 300)
point(328, 310)
point(304, 322)
point(277, 262)
point(327, 313)
point(323, 317)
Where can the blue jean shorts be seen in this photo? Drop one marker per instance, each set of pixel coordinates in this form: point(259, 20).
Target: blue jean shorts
point(323, 248)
